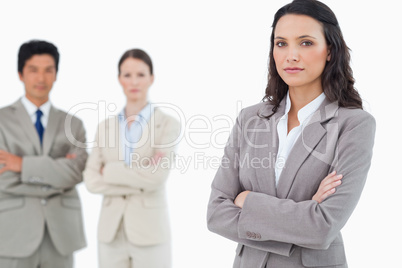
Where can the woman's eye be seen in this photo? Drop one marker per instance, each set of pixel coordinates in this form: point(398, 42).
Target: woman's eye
point(127, 75)
point(307, 43)
point(281, 44)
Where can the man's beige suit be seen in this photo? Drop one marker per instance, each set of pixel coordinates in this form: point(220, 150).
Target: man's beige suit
point(44, 192)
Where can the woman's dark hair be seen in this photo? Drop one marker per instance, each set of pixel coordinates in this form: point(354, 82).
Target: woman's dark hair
point(37, 47)
point(137, 54)
point(337, 77)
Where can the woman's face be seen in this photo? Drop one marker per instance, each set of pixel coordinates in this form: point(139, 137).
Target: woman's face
point(300, 51)
point(135, 78)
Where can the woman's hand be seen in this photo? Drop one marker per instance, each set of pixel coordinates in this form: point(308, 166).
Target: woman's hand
point(101, 169)
point(157, 158)
point(239, 201)
point(327, 186)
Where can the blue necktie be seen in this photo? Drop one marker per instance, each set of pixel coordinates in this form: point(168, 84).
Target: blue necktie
point(38, 125)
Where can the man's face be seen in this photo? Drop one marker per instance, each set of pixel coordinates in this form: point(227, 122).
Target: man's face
point(38, 76)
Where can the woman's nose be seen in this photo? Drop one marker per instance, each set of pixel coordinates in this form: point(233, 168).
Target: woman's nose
point(293, 55)
point(134, 81)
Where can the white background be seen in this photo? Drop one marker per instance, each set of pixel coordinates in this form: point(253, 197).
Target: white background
point(210, 58)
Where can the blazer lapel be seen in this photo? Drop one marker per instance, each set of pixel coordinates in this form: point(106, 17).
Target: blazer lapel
point(115, 133)
point(148, 140)
point(55, 119)
point(311, 135)
point(27, 126)
point(266, 148)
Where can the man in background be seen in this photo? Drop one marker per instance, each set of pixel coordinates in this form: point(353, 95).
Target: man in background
point(41, 161)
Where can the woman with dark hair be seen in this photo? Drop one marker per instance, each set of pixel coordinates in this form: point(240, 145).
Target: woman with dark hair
point(296, 164)
point(129, 165)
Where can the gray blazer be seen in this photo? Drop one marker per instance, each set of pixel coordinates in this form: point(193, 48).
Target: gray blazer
point(280, 226)
point(44, 191)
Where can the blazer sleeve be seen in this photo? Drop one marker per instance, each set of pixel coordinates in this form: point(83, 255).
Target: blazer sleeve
point(146, 176)
point(59, 173)
point(223, 215)
point(308, 223)
point(11, 183)
point(94, 179)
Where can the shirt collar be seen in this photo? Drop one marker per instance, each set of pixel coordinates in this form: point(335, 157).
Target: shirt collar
point(307, 110)
point(31, 108)
point(144, 115)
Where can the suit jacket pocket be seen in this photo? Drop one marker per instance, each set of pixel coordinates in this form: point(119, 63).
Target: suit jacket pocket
point(11, 203)
point(334, 255)
point(71, 202)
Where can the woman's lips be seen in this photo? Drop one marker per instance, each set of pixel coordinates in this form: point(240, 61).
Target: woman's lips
point(293, 70)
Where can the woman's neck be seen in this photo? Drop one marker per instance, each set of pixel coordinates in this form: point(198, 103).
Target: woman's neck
point(300, 98)
point(134, 108)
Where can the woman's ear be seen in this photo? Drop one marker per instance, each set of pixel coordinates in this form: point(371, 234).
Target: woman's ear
point(329, 54)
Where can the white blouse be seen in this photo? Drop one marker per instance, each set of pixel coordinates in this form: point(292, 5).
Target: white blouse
point(286, 141)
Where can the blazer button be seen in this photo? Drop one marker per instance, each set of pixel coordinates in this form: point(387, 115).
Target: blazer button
point(249, 234)
point(124, 196)
point(43, 202)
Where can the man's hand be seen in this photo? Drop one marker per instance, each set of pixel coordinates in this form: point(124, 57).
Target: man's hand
point(10, 162)
point(71, 156)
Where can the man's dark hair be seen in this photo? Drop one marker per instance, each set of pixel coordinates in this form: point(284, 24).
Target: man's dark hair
point(36, 47)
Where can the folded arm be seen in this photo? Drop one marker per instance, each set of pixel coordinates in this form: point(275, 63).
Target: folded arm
point(308, 223)
point(94, 180)
point(147, 175)
point(10, 176)
point(223, 215)
point(60, 173)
